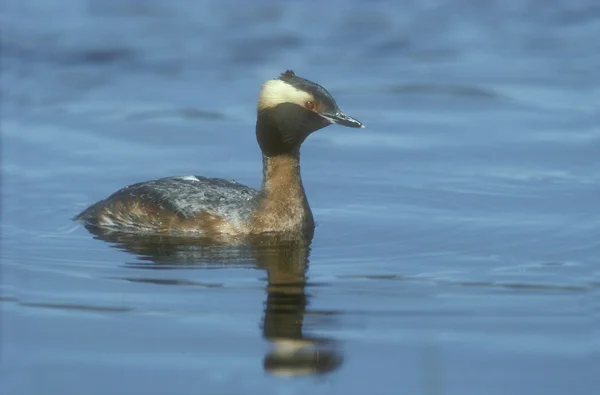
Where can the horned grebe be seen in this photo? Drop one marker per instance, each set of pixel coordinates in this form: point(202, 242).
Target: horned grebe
point(289, 109)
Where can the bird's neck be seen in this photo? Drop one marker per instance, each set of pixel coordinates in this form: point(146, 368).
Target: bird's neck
point(283, 205)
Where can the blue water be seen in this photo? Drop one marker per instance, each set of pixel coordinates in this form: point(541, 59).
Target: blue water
point(458, 239)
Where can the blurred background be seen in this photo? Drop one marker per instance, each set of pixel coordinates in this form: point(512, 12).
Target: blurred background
point(458, 234)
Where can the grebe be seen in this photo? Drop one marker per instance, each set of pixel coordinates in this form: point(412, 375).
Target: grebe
point(289, 109)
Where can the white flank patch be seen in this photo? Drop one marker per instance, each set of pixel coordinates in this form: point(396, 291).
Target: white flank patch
point(188, 178)
point(274, 92)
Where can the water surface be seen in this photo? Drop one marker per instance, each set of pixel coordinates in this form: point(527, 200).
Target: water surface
point(458, 235)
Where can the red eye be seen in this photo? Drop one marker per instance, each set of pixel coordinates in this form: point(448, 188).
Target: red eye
point(310, 105)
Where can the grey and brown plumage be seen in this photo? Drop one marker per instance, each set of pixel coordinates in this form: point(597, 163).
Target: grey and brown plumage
point(289, 109)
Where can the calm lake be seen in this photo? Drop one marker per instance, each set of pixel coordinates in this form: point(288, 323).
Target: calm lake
point(457, 247)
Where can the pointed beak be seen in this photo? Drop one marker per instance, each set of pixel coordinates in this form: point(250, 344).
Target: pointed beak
point(342, 119)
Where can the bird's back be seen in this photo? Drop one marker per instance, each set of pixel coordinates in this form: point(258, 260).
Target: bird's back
point(173, 202)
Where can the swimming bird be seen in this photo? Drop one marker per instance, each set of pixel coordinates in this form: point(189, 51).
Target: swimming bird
point(289, 109)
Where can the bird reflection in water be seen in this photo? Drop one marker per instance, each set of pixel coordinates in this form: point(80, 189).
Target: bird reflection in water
point(285, 259)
